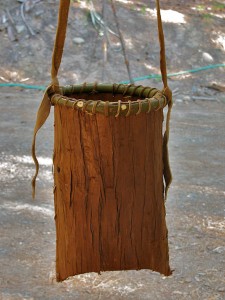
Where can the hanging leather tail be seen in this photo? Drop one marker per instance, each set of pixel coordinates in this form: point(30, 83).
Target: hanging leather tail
point(42, 115)
point(45, 107)
point(166, 163)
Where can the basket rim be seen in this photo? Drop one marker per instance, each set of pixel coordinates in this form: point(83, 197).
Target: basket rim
point(149, 99)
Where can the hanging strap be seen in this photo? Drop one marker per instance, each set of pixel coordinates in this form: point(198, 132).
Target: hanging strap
point(59, 42)
point(168, 93)
point(44, 109)
point(61, 34)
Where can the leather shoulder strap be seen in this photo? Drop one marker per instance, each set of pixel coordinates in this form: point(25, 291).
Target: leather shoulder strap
point(167, 174)
point(162, 46)
point(45, 106)
point(59, 41)
point(61, 35)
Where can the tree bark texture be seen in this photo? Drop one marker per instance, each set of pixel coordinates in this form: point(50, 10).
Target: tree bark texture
point(109, 203)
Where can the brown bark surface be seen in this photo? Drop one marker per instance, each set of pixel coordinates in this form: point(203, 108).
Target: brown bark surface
point(109, 204)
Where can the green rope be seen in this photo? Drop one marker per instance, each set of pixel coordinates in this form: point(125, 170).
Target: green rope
point(24, 86)
point(155, 76)
point(150, 76)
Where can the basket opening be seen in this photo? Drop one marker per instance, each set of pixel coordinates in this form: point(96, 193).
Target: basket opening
point(104, 97)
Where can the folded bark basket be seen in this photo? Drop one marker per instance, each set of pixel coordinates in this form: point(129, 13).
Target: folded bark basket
point(110, 159)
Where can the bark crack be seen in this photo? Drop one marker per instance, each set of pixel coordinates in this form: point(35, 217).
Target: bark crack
point(84, 165)
point(71, 188)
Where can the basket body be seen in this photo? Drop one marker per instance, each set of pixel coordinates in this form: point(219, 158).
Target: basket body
point(110, 163)
point(109, 200)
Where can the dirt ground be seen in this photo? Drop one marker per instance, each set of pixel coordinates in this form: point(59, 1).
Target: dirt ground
point(195, 37)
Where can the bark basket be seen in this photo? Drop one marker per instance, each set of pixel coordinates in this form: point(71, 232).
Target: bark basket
point(108, 172)
point(110, 167)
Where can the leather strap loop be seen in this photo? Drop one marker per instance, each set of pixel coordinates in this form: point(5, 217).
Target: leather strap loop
point(59, 42)
point(162, 46)
point(61, 35)
point(45, 106)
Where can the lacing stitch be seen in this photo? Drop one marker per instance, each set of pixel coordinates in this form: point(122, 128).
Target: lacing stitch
point(113, 89)
point(134, 90)
point(95, 106)
point(149, 93)
point(116, 87)
point(158, 97)
point(83, 87)
point(94, 91)
point(159, 105)
point(65, 103)
point(149, 105)
point(142, 91)
point(74, 104)
point(127, 88)
point(119, 108)
point(85, 105)
point(106, 108)
point(129, 109)
point(57, 100)
point(139, 107)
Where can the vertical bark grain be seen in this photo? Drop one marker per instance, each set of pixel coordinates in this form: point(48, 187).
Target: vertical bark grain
point(109, 205)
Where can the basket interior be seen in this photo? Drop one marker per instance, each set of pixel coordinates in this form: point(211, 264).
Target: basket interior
point(110, 99)
point(104, 97)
